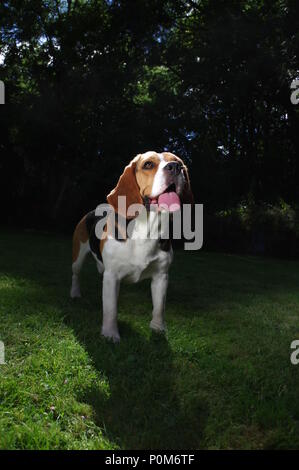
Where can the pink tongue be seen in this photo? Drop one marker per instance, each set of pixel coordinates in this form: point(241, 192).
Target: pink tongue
point(169, 201)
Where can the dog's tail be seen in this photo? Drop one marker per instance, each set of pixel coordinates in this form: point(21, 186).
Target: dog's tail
point(80, 249)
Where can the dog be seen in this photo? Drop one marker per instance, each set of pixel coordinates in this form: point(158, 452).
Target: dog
point(160, 184)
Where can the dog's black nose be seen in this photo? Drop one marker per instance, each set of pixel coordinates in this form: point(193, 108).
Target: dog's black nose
point(174, 168)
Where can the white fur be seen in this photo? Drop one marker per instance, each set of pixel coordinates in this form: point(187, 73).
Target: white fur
point(137, 258)
point(159, 184)
point(111, 284)
point(159, 287)
point(131, 261)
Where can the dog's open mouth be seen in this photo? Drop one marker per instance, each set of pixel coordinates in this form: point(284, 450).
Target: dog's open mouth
point(168, 200)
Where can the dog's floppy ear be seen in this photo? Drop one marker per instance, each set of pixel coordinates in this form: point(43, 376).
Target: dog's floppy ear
point(127, 186)
point(187, 195)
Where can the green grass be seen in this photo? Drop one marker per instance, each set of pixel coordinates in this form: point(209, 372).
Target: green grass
point(221, 378)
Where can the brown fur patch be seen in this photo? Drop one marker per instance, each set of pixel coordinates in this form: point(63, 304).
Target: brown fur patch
point(126, 186)
point(145, 178)
point(170, 157)
point(80, 235)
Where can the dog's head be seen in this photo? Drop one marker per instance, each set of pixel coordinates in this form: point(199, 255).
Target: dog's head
point(153, 178)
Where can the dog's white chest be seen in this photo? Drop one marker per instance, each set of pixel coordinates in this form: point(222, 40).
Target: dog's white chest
point(140, 256)
point(134, 260)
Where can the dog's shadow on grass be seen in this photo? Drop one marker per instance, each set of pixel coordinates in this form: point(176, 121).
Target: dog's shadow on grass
point(142, 407)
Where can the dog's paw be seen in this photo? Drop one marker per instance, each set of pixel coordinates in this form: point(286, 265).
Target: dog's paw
point(158, 327)
point(112, 335)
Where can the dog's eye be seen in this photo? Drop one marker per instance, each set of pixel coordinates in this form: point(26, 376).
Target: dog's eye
point(148, 165)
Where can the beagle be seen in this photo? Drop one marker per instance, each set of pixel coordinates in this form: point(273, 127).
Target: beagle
point(159, 183)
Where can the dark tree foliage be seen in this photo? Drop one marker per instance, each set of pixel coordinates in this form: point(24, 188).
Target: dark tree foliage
point(91, 83)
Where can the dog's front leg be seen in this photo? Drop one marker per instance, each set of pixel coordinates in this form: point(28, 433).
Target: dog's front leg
point(159, 288)
point(110, 296)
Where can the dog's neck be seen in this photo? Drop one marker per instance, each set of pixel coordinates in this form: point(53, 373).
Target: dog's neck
point(152, 225)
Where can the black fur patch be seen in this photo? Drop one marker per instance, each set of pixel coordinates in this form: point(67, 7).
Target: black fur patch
point(165, 245)
point(91, 221)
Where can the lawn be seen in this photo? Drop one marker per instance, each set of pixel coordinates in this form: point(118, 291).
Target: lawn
point(220, 378)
